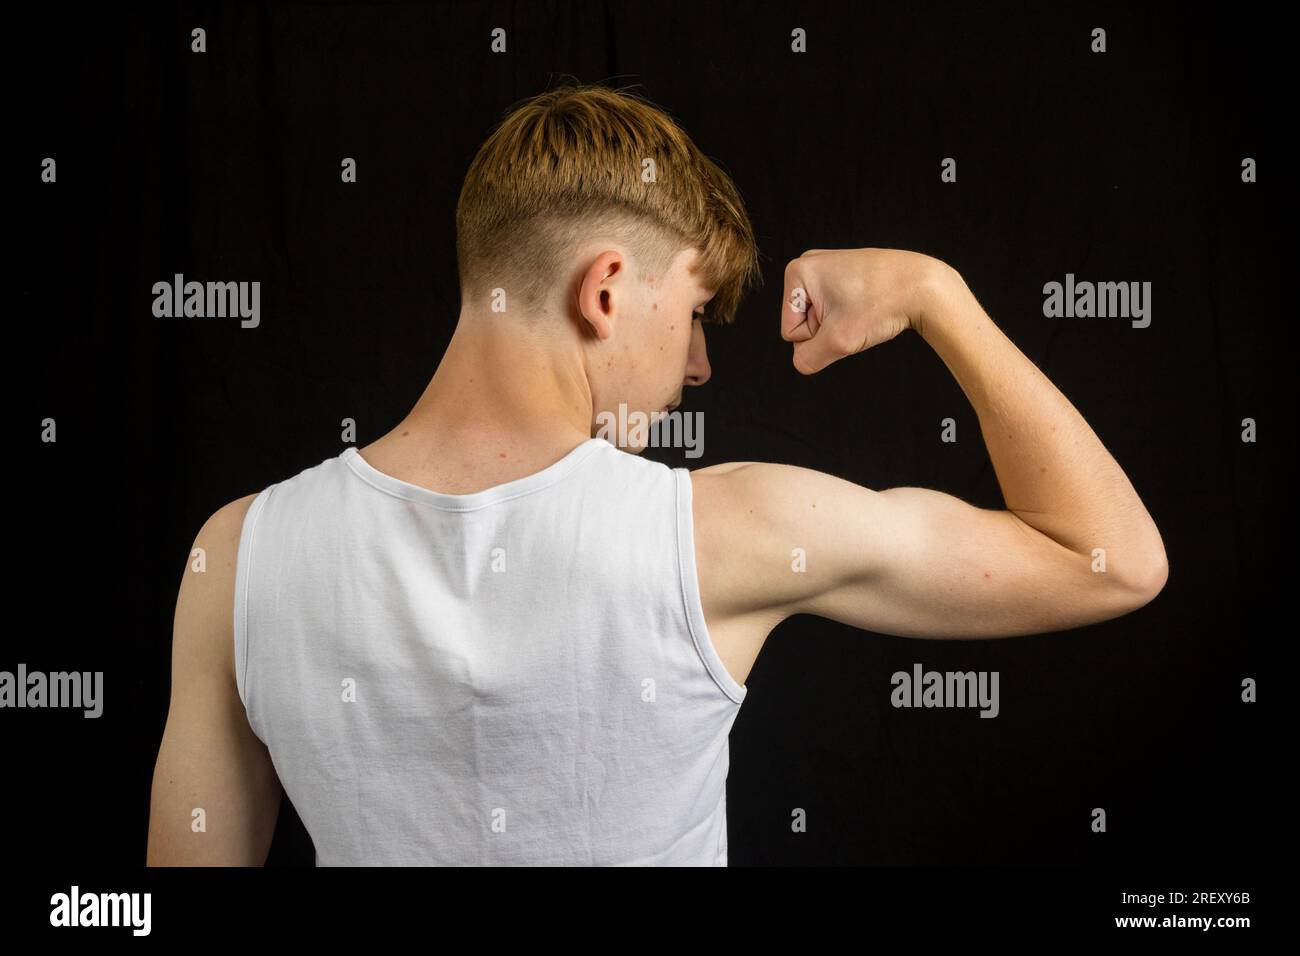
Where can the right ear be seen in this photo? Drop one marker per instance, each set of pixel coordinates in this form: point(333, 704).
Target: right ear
point(601, 284)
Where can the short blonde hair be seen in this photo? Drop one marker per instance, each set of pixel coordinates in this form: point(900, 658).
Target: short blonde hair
point(573, 157)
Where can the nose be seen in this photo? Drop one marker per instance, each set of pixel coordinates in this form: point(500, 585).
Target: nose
point(697, 360)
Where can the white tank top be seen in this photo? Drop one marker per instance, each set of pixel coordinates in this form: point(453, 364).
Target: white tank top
point(517, 676)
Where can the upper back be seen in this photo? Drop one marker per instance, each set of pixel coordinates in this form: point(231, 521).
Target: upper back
point(517, 675)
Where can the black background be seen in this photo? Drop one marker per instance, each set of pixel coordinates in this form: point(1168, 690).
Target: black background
point(1123, 166)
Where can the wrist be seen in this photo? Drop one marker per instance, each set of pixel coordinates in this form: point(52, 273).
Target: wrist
point(937, 287)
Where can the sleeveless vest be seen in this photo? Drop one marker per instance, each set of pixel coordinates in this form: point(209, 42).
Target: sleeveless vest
point(517, 676)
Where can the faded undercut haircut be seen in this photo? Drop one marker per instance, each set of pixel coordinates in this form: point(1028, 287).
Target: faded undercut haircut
point(573, 162)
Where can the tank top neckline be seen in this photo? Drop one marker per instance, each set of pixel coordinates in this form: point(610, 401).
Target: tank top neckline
point(472, 501)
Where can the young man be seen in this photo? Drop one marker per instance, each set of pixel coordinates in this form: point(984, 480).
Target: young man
point(492, 638)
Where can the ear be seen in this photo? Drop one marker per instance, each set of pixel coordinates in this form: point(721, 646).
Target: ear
point(602, 281)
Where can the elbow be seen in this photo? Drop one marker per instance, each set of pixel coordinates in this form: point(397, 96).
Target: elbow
point(1144, 586)
point(1145, 569)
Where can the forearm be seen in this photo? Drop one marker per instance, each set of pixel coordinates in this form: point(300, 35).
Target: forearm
point(1054, 472)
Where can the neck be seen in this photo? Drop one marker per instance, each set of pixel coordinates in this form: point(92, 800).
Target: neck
point(504, 386)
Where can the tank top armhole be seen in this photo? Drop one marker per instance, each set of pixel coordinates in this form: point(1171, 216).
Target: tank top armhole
point(243, 572)
point(690, 589)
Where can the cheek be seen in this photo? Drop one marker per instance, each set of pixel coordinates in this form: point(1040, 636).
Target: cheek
point(680, 342)
point(669, 337)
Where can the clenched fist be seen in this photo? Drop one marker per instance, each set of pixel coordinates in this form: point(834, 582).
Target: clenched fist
point(840, 302)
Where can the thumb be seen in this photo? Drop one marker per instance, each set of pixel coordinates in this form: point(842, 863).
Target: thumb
point(814, 354)
point(797, 322)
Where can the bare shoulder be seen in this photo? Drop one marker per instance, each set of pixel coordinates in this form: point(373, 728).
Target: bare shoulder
point(226, 523)
point(218, 542)
point(759, 497)
point(209, 755)
point(747, 517)
point(203, 631)
point(758, 522)
point(761, 485)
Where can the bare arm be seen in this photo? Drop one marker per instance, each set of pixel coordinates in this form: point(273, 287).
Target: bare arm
point(912, 561)
point(210, 758)
point(1055, 474)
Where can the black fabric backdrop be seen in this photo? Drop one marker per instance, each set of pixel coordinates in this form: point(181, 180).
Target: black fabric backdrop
point(1123, 166)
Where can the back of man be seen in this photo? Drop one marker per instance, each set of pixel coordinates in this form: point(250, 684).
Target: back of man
point(517, 675)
